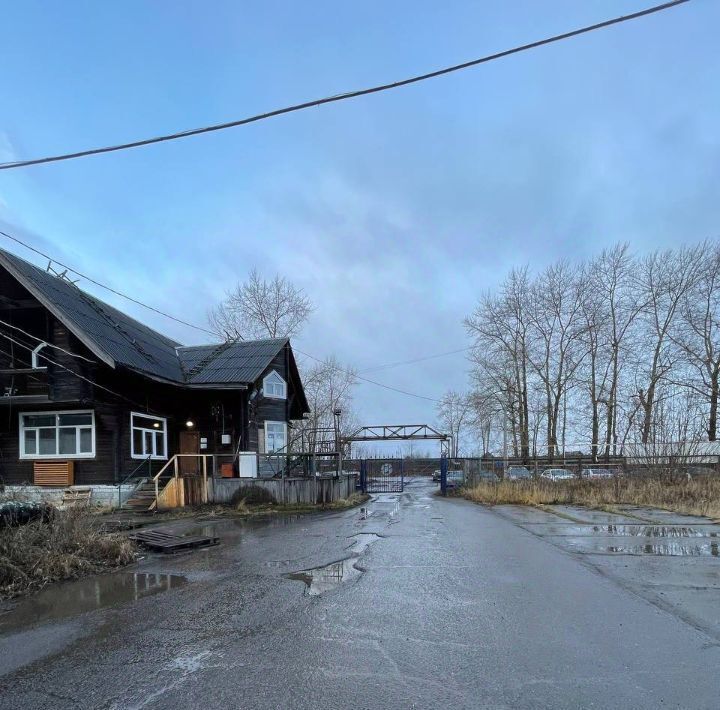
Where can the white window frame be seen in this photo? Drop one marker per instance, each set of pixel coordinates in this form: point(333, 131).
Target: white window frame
point(163, 430)
point(282, 383)
point(56, 413)
point(285, 434)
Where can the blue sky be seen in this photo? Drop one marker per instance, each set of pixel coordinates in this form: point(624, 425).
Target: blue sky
point(394, 212)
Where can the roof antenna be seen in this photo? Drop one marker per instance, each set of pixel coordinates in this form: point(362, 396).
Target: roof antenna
point(61, 274)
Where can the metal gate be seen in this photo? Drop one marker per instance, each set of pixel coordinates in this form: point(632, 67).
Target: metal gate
point(382, 475)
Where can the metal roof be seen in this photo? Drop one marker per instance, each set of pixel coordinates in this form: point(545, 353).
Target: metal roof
point(242, 361)
point(119, 340)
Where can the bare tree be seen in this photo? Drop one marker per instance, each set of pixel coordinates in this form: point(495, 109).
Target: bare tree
point(556, 332)
point(610, 307)
point(666, 278)
point(453, 414)
point(258, 308)
point(328, 386)
point(697, 334)
point(485, 410)
point(499, 326)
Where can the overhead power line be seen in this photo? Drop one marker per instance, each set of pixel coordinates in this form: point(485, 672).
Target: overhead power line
point(72, 372)
point(109, 288)
point(344, 96)
point(205, 330)
point(354, 374)
point(50, 345)
point(390, 365)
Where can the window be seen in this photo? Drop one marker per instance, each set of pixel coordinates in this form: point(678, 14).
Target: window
point(148, 436)
point(275, 436)
point(57, 435)
point(274, 386)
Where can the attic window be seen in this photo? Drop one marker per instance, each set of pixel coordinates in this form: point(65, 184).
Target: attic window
point(274, 386)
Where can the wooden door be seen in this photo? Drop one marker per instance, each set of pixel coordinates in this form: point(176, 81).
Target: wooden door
point(189, 444)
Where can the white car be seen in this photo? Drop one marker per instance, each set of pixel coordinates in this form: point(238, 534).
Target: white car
point(557, 474)
point(597, 473)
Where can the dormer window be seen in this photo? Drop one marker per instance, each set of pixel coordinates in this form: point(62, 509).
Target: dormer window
point(274, 386)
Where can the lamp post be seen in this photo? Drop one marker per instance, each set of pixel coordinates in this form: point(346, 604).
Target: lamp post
point(337, 413)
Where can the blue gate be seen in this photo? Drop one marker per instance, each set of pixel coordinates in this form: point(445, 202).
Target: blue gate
point(382, 475)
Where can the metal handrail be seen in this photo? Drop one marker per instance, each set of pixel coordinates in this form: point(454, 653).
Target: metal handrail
point(148, 461)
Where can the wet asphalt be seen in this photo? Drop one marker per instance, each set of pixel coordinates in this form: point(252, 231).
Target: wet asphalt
point(412, 602)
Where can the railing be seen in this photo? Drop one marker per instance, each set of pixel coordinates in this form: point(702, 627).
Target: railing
point(174, 461)
point(148, 461)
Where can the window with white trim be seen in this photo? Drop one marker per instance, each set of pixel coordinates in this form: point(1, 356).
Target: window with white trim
point(148, 436)
point(275, 436)
point(274, 386)
point(59, 435)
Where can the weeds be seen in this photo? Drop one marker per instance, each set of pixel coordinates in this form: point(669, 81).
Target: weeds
point(66, 546)
point(694, 497)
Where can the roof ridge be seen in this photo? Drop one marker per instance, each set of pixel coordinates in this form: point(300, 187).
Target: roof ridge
point(198, 367)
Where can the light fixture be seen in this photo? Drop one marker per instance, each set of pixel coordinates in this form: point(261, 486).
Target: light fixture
point(156, 425)
point(189, 423)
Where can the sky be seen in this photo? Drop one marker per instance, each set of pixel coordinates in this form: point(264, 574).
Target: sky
point(394, 212)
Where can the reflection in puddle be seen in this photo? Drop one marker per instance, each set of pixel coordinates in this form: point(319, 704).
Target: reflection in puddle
point(59, 601)
point(668, 548)
point(654, 531)
point(322, 579)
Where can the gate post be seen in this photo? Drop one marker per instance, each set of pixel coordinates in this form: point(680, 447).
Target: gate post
point(443, 474)
point(363, 476)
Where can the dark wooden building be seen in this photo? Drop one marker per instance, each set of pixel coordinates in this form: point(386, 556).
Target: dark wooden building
point(83, 383)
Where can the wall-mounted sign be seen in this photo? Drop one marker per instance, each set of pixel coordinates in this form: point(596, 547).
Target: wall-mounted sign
point(203, 442)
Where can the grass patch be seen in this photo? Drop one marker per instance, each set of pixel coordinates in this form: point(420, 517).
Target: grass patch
point(67, 546)
point(694, 497)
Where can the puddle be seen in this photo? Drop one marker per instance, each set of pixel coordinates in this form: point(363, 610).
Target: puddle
point(655, 531)
point(637, 545)
point(60, 601)
point(639, 530)
point(326, 578)
point(668, 548)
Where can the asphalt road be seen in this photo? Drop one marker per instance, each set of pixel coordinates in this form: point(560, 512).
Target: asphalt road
point(444, 604)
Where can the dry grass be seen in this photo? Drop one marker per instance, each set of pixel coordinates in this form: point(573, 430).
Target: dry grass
point(68, 546)
point(696, 497)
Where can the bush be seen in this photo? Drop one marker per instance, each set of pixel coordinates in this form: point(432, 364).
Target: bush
point(694, 497)
point(253, 495)
point(65, 546)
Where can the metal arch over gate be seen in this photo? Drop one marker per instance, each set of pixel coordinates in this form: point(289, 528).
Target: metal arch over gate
point(372, 479)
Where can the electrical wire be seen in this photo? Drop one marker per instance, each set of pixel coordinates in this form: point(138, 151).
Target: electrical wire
point(50, 345)
point(355, 375)
point(377, 368)
point(197, 327)
point(108, 288)
point(347, 95)
point(72, 372)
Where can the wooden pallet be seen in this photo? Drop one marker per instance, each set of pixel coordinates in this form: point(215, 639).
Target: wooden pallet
point(167, 542)
point(76, 496)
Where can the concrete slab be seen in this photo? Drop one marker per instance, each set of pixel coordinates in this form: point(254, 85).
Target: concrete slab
point(634, 545)
point(587, 515)
point(666, 517)
point(633, 530)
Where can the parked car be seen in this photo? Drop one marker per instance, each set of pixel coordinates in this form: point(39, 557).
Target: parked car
point(487, 477)
point(700, 471)
point(557, 474)
point(597, 473)
point(455, 479)
point(518, 473)
point(450, 474)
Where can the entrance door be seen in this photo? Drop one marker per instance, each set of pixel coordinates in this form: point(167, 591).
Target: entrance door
point(189, 444)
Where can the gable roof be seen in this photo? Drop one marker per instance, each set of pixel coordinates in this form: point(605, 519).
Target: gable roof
point(121, 341)
point(241, 361)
